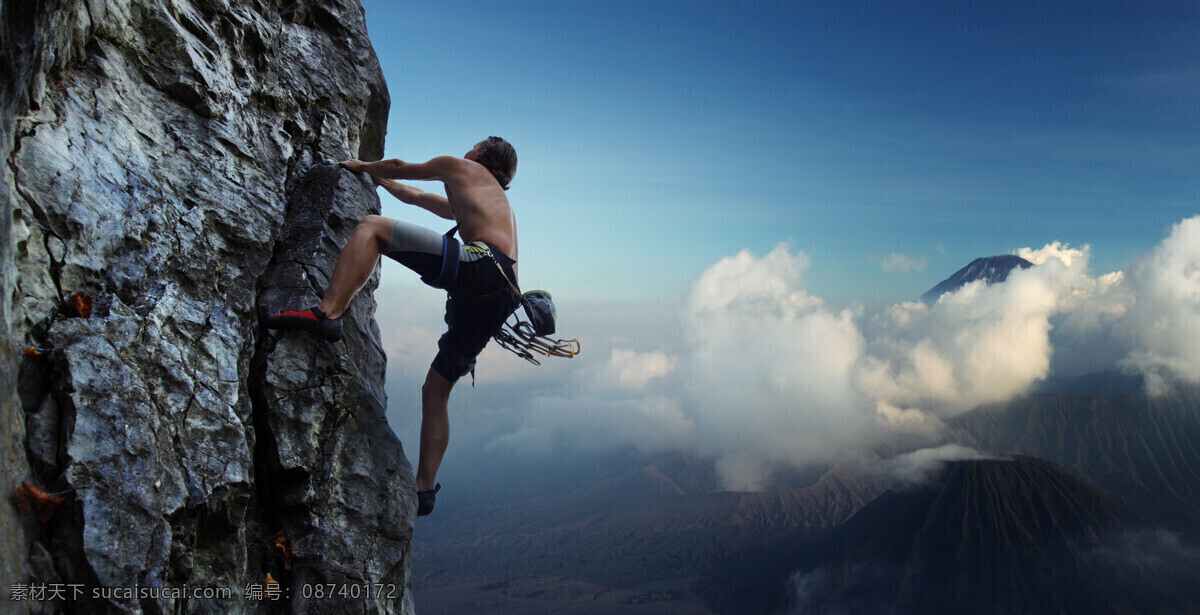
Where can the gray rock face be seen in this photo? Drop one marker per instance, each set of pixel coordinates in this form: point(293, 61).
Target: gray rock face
point(163, 159)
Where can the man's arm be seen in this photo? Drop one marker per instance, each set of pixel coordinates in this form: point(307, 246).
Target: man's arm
point(439, 168)
point(435, 203)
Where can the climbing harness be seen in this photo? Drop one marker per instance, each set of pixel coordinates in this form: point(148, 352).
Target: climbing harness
point(525, 338)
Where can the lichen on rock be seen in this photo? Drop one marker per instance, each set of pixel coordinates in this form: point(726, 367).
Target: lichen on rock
point(166, 159)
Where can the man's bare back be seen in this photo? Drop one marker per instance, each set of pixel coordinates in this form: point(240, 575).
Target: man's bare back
point(481, 208)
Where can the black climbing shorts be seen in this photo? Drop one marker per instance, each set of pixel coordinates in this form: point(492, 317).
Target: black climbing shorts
point(479, 299)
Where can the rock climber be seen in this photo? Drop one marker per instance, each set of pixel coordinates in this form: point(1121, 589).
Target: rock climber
point(473, 273)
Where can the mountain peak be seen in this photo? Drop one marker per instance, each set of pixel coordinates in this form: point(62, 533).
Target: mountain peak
point(1042, 501)
point(989, 268)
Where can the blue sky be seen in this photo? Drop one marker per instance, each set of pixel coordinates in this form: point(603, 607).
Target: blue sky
point(656, 138)
point(668, 149)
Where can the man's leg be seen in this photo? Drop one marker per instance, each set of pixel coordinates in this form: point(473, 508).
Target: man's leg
point(356, 263)
point(435, 428)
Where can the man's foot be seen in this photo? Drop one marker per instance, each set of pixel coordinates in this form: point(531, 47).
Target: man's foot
point(312, 320)
point(426, 500)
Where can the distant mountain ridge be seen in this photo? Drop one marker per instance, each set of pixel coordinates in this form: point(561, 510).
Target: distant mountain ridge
point(990, 269)
point(1012, 535)
point(1016, 535)
point(633, 526)
point(672, 502)
point(1138, 448)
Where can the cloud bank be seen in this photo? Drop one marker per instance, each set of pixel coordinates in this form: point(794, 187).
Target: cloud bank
point(1164, 318)
point(767, 375)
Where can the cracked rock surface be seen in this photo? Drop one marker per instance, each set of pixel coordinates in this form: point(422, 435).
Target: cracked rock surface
point(166, 160)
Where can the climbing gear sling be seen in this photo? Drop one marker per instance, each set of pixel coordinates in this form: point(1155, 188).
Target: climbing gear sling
point(526, 337)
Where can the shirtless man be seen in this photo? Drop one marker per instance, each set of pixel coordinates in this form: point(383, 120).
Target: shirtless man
point(480, 299)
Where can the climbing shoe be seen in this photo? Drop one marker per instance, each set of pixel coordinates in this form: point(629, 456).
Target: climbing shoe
point(426, 500)
point(311, 320)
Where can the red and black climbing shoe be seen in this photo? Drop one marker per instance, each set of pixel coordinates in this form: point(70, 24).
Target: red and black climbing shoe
point(426, 500)
point(311, 320)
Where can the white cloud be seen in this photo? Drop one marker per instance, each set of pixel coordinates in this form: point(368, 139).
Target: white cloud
point(758, 373)
point(633, 371)
point(764, 378)
point(1165, 317)
point(1089, 332)
point(1056, 250)
point(775, 377)
point(920, 466)
point(907, 420)
point(980, 344)
point(762, 286)
point(900, 262)
point(768, 369)
point(605, 404)
point(595, 420)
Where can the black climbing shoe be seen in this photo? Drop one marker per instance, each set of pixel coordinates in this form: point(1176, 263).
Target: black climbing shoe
point(426, 500)
point(311, 320)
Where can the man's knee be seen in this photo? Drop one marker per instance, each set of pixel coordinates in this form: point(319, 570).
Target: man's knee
point(435, 387)
point(378, 228)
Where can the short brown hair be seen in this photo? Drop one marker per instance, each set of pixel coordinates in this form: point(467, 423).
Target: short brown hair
point(500, 158)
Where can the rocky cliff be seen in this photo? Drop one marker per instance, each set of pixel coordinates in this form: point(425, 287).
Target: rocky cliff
point(163, 187)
